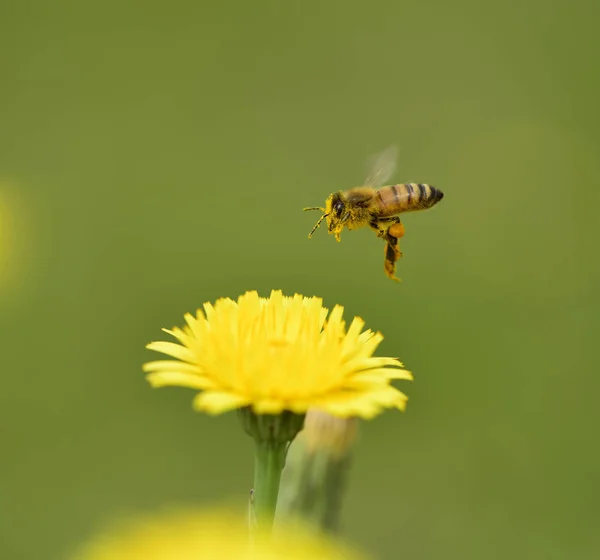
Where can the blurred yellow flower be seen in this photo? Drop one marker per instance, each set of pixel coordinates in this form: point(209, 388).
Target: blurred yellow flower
point(208, 535)
point(278, 353)
point(15, 241)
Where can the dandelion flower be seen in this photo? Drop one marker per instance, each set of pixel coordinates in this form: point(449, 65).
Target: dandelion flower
point(273, 359)
point(219, 535)
point(278, 354)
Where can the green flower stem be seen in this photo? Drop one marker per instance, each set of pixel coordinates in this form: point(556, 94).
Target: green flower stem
point(268, 465)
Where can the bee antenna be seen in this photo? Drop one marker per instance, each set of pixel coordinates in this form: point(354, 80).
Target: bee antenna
point(318, 223)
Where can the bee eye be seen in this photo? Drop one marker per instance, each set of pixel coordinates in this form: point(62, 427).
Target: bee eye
point(338, 208)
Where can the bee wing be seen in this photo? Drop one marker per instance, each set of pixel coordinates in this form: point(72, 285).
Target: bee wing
point(381, 167)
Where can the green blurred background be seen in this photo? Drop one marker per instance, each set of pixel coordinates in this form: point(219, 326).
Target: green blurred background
point(155, 156)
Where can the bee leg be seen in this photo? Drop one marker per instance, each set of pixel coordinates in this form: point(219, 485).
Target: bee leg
point(393, 232)
point(392, 254)
point(380, 227)
point(389, 229)
point(392, 225)
point(397, 229)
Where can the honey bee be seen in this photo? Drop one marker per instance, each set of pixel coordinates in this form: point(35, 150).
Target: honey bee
point(378, 207)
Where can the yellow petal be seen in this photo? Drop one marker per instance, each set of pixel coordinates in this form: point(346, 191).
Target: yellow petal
point(268, 406)
point(171, 365)
point(278, 353)
point(216, 402)
point(172, 349)
point(362, 404)
point(179, 379)
point(381, 376)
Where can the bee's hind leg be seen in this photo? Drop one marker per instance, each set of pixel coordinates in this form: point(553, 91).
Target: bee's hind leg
point(392, 225)
point(392, 254)
point(396, 229)
point(391, 230)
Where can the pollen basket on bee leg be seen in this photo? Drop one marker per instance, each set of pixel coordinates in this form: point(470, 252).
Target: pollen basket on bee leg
point(397, 230)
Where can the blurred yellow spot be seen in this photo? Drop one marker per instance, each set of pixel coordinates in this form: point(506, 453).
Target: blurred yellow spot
point(209, 534)
point(16, 232)
point(8, 238)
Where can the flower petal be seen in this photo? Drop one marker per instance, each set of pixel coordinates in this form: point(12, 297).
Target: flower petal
point(380, 376)
point(216, 402)
point(362, 404)
point(179, 379)
point(268, 406)
point(171, 365)
point(278, 353)
point(172, 349)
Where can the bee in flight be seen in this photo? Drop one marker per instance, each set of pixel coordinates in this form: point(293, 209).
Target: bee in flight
point(378, 206)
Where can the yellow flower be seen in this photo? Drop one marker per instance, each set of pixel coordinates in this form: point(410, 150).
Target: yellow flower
point(278, 353)
point(208, 535)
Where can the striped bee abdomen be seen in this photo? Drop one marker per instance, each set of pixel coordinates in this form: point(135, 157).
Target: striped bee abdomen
point(406, 197)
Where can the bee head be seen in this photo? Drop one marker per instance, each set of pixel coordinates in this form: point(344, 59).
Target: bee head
point(337, 206)
point(335, 214)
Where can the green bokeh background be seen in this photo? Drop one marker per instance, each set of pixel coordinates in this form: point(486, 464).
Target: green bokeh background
point(155, 156)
